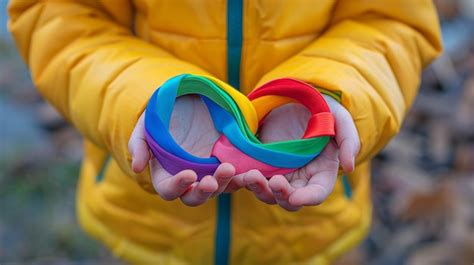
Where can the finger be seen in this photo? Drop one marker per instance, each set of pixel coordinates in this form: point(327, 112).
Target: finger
point(258, 184)
point(298, 182)
point(236, 183)
point(138, 147)
point(141, 156)
point(223, 175)
point(200, 191)
point(281, 191)
point(347, 139)
point(309, 195)
point(170, 188)
point(318, 188)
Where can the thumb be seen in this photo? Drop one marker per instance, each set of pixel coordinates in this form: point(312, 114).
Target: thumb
point(138, 147)
point(347, 137)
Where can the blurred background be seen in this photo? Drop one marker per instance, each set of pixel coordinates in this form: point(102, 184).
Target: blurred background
point(423, 181)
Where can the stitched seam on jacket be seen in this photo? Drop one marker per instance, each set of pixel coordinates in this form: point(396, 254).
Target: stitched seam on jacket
point(391, 111)
point(369, 47)
point(106, 88)
point(184, 36)
point(313, 34)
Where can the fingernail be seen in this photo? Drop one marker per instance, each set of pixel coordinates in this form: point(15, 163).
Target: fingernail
point(184, 183)
point(352, 165)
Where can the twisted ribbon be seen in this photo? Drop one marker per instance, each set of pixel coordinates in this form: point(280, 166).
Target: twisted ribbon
point(238, 118)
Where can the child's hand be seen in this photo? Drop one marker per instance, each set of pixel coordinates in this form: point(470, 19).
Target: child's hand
point(312, 184)
point(192, 128)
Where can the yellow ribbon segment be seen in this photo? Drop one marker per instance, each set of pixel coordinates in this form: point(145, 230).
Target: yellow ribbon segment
point(245, 106)
point(264, 105)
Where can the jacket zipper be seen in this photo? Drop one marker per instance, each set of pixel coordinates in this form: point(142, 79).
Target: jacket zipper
point(100, 176)
point(234, 54)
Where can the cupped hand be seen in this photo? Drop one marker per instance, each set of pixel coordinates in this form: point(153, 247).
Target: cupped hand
point(192, 128)
point(312, 184)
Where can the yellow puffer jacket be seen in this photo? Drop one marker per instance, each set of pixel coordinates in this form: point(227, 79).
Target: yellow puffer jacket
point(98, 62)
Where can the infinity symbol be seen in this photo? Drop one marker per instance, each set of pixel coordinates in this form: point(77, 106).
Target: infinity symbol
point(238, 118)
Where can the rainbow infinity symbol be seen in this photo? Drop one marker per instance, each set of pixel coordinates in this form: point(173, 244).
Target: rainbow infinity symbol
point(237, 118)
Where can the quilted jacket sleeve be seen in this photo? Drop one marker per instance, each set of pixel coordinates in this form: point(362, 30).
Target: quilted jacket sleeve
point(372, 53)
point(86, 62)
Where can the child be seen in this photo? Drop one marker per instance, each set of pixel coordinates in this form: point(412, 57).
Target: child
point(99, 61)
